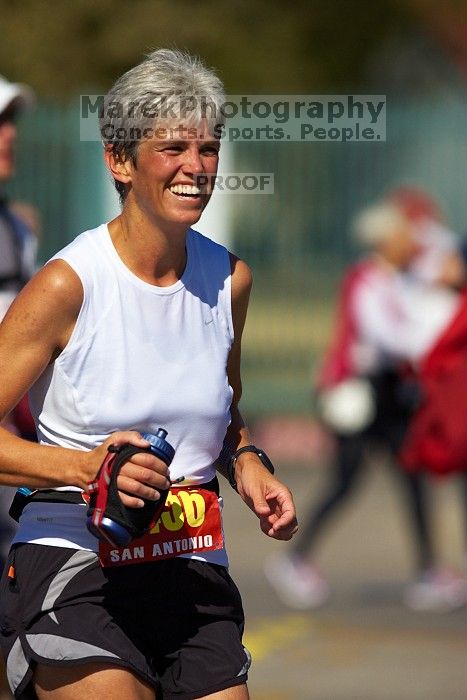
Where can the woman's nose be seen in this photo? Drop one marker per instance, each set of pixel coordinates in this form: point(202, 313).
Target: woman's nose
point(192, 162)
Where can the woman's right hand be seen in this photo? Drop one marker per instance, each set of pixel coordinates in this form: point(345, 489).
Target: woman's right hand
point(142, 476)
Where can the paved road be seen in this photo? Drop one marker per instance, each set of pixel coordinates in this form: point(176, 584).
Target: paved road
point(364, 644)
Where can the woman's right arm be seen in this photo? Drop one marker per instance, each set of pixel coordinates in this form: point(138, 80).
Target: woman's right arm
point(34, 331)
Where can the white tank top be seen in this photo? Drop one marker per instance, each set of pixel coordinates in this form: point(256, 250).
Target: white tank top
point(143, 357)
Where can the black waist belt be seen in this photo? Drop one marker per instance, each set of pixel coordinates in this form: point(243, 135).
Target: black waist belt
point(21, 500)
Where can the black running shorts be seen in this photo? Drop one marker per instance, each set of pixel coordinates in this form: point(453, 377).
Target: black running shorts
point(177, 623)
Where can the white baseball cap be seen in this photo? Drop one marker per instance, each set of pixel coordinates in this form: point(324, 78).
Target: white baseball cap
point(20, 94)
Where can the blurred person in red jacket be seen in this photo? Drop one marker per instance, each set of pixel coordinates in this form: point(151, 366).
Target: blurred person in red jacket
point(437, 439)
point(391, 313)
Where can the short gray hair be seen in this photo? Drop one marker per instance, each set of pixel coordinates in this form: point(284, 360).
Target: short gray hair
point(167, 86)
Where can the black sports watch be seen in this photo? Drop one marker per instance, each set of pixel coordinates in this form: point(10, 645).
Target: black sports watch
point(248, 448)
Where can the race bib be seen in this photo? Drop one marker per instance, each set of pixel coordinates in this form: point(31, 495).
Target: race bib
point(190, 522)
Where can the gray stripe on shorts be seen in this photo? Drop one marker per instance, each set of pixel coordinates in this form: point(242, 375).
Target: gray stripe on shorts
point(51, 646)
point(247, 663)
point(17, 665)
point(76, 563)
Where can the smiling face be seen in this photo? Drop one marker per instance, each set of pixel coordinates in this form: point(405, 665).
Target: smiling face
point(167, 182)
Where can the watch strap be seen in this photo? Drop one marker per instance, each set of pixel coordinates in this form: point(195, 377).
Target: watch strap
point(247, 448)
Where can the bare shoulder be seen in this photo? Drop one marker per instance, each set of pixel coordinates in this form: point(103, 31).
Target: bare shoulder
point(242, 278)
point(48, 305)
point(242, 281)
point(55, 284)
point(59, 277)
point(36, 328)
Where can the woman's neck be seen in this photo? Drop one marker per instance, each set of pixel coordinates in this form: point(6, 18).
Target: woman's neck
point(155, 256)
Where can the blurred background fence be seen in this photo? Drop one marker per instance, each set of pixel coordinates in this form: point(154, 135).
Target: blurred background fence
point(297, 240)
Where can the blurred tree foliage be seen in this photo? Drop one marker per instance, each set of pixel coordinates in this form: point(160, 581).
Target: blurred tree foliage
point(62, 47)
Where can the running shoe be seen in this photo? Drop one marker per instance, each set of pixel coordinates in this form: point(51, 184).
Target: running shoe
point(437, 590)
point(297, 584)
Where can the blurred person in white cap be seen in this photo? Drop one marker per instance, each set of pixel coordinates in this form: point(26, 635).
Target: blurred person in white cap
point(388, 318)
point(18, 245)
point(17, 241)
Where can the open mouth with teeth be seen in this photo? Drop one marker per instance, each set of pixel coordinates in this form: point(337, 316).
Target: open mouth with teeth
point(185, 191)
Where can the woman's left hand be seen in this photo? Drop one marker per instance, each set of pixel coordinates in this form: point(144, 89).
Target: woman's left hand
point(269, 499)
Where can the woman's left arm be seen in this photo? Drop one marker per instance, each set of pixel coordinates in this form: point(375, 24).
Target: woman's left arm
point(267, 497)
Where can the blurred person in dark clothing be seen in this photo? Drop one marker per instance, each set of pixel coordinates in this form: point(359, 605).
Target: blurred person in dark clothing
point(18, 243)
point(18, 246)
point(391, 311)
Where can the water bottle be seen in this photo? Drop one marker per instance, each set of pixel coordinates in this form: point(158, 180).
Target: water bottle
point(108, 519)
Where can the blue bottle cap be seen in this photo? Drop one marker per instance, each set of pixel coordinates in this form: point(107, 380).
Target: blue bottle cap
point(160, 446)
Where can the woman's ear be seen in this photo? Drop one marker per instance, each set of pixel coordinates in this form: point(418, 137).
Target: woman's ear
point(119, 167)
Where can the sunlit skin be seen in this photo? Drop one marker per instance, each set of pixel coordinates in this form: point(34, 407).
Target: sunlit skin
point(160, 164)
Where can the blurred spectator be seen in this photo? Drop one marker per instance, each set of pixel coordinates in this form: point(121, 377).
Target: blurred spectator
point(391, 311)
point(18, 239)
point(439, 258)
point(437, 436)
point(19, 230)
